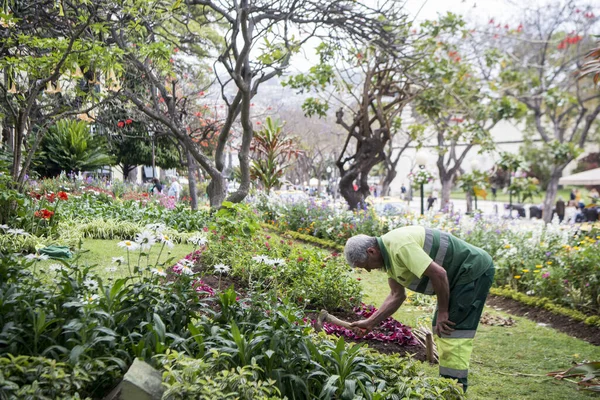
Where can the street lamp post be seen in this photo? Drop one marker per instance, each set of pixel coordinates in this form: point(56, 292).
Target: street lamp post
point(421, 160)
point(474, 168)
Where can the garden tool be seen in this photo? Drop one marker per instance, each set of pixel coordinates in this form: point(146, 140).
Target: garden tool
point(324, 316)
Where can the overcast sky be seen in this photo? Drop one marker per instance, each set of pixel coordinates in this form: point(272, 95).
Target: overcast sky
point(419, 10)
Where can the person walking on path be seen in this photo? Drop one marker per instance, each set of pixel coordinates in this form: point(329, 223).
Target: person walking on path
point(157, 187)
point(430, 261)
point(175, 189)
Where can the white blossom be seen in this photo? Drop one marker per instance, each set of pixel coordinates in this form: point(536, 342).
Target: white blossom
point(197, 240)
point(90, 284)
point(145, 239)
point(56, 267)
point(129, 245)
point(37, 257)
point(221, 268)
point(158, 271)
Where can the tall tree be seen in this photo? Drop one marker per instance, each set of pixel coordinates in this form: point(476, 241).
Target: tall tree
point(455, 103)
point(51, 57)
point(246, 25)
point(537, 64)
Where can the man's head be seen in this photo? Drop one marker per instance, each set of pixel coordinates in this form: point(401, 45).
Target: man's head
point(362, 251)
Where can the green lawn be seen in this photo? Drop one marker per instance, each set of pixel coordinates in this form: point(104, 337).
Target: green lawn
point(508, 362)
point(100, 253)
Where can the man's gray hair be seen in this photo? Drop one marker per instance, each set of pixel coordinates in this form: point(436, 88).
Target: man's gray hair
point(356, 247)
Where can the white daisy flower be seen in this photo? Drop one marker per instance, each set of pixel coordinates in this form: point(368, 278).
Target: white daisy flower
point(129, 245)
point(17, 232)
point(275, 262)
point(56, 267)
point(197, 240)
point(157, 227)
point(90, 298)
point(158, 271)
point(186, 263)
point(221, 268)
point(90, 284)
point(145, 239)
point(111, 269)
point(37, 257)
point(186, 271)
point(118, 260)
point(166, 240)
point(260, 259)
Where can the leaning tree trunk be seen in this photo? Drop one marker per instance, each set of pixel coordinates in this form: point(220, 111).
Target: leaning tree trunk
point(191, 165)
point(551, 192)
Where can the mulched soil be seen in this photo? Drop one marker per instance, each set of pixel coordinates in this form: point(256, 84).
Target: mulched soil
point(417, 352)
point(564, 324)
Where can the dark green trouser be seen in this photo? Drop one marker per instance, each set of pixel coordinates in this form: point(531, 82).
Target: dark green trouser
point(466, 306)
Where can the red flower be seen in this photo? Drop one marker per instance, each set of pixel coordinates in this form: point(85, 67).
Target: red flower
point(120, 124)
point(171, 60)
point(520, 28)
point(202, 93)
point(491, 21)
point(44, 214)
point(128, 121)
point(35, 195)
point(175, 50)
point(257, 122)
point(51, 197)
point(63, 196)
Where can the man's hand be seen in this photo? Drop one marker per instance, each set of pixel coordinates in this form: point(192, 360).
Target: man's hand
point(444, 325)
point(362, 327)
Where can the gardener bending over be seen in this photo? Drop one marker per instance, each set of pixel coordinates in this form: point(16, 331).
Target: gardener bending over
point(430, 261)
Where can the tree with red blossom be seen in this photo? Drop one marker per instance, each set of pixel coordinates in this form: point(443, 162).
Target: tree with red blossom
point(538, 68)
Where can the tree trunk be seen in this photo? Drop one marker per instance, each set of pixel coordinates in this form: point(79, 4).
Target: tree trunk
point(352, 197)
point(191, 165)
point(217, 191)
point(469, 198)
point(551, 192)
point(446, 189)
point(387, 181)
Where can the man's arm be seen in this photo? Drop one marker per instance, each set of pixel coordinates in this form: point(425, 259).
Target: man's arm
point(391, 303)
point(439, 280)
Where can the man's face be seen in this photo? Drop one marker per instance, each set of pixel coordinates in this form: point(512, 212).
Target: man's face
point(374, 260)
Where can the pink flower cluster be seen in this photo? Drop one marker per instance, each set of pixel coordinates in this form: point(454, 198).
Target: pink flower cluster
point(203, 289)
point(389, 330)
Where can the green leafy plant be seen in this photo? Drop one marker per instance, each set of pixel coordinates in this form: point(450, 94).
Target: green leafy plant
point(70, 146)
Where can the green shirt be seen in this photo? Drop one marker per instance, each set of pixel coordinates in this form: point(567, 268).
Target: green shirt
point(408, 251)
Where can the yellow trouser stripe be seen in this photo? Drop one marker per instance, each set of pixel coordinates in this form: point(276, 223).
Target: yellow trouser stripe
point(455, 353)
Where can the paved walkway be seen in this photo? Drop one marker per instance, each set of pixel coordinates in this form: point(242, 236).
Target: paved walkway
point(459, 205)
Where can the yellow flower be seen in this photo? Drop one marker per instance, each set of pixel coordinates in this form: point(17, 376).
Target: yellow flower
point(539, 266)
point(549, 263)
point(535, 271)
point(542, 244)
point(507, 246)
point(517, 277)
point(525, 271)
point(575, 247)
